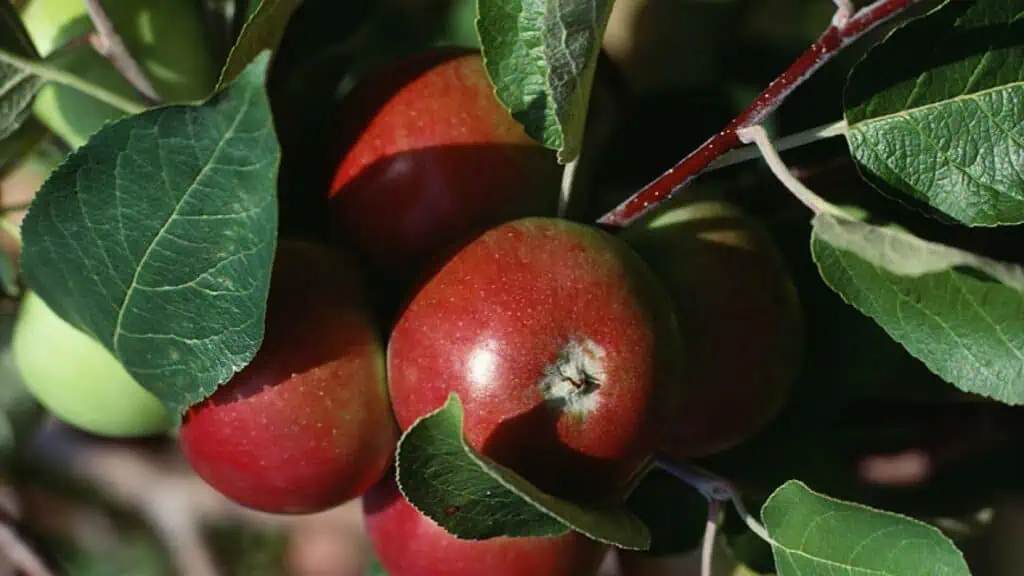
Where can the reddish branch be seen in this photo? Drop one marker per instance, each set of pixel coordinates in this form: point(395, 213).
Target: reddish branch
point(841, 33)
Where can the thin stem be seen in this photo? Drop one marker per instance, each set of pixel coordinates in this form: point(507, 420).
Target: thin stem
point(842, 32)
point(108, 43)
point(714, 487)
point(568, 183)
point(797, 140)
point(20, 206)
point(18, 554)
point(46, 72)
point(12, 229)
point(751, 522)
point(710, 533)
point(805, 195)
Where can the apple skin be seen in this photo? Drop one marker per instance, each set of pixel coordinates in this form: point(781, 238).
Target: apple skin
point(306, 425)
point(408, 543)
point(166, 37)
point(739, 312)
point(428, 158)
point(78, 380)
point(561, 345)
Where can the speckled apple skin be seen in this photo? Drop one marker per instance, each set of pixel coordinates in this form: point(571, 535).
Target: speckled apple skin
point(408, 543)
point(307, 424)
point(489, 323)
point(428, 157)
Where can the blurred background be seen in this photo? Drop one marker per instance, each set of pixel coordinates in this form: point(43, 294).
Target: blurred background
point(868, 422)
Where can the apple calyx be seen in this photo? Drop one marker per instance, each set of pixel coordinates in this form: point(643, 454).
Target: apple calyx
point(572, 383)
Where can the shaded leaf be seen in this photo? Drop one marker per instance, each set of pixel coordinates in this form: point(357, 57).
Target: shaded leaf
point(474, 498)
point(157, 237)
point(263, 31)
point(541, 56)
point(816, 535)
point(957, 312)
point(18, 87)
point(936, 112)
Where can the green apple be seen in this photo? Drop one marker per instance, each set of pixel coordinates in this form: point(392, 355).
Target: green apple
point(166, 37)
point(78, 380)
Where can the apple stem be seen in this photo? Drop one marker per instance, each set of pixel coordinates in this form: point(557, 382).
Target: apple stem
point(843, 30)
point(710, 533)
point(759, 136)
point(108, 43)
point(47, 72)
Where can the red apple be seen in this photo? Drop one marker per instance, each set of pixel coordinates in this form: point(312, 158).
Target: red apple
point(429, 158)
point(307, 424)
point(408, 543)
point(561, 345)
point(738, 311)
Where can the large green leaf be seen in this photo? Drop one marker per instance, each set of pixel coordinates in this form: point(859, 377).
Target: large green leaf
point(541, 56)
point(814, 535)
point(157, 237)
point(18, 87)
point(474, 498)
point(936, 112)
point(958, 312)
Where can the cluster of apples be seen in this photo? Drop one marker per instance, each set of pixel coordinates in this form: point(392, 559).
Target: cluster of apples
point(579, 356)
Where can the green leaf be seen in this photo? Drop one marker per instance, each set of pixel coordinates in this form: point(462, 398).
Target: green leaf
point(816, 535)
point(957, 312)
point(936, 112)
point(263, 31)
point(18, 87)
point(157, 238)
point(474, 498)
point(541, 56)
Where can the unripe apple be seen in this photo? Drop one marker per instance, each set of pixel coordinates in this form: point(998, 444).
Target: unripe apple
point(408, 543)
point(429, 158)
point(561, 345)
point(166, 38)
point(738, 311)
point(78, 380)
point(306, 425)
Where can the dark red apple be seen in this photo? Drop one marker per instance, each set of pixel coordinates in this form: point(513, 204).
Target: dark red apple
point(738, 311)
point(408, 543)
point(561, 345)
point(307, 424)
point(430, 157)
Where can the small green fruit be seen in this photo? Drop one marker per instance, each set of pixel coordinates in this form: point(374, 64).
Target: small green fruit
point(78, 380)
point(166, 38)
